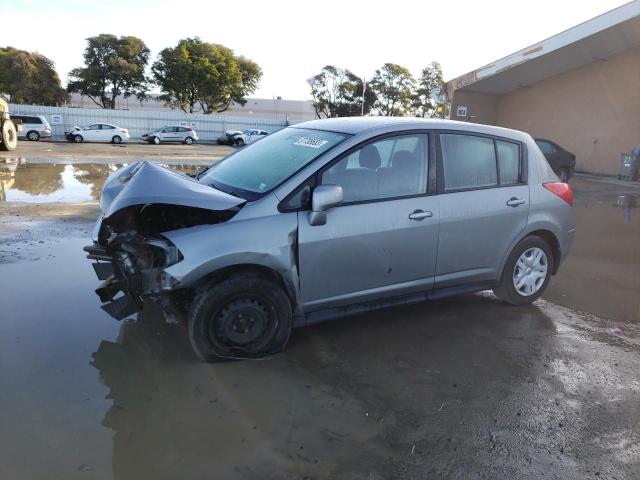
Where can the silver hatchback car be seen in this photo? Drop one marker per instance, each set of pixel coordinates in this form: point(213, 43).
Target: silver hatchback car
point(329, 218)
point(171, 133)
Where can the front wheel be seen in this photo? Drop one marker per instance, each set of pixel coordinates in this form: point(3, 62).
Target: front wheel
point(116, 140)
point(245, 316)
point(526, 273)
point(78, 138)
point(239, 142)
point(156, 141)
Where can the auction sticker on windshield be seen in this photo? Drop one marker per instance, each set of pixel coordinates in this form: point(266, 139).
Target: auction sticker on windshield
point(310, 142)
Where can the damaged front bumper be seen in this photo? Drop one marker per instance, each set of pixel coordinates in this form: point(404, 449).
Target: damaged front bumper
point(125, 284)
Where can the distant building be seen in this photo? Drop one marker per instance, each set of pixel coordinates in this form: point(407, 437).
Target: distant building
point(579, 88)
point(269, 108)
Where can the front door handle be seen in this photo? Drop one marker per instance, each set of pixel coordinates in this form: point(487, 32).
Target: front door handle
point(419, 215)
point(515, 202)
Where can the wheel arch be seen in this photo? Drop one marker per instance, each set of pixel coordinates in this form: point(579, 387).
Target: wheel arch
point(553, 242)
point(222, 273)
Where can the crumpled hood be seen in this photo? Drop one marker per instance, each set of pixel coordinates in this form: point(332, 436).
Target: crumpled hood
point(147, 183)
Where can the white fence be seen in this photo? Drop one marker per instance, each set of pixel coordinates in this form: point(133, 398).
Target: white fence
point(209, 127)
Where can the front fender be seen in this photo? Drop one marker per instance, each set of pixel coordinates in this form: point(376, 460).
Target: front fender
point(269, 242)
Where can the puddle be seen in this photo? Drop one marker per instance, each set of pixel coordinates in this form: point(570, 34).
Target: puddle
point(23, 181)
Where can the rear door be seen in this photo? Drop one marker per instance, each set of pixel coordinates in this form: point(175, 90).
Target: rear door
point(382, 240)
point(484, 205)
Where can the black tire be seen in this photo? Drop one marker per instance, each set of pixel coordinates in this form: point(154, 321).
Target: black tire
point(244, 301)
point(506, 291)
point(116, 140)
point(155, 140)
point(78, 138)
point(239, 142)
point(9, 136)
point(188, 140)
point(33, 136)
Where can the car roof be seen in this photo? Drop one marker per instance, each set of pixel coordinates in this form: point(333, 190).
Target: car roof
point(357, 125)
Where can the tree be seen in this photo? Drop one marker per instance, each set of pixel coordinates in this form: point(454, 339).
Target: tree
point(430, 81)
point(113, 67)
point(337, 92)
point(209, 76)
point(29, 77)
point(393, 86)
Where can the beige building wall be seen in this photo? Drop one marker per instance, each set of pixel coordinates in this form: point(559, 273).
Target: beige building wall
point(592, 111)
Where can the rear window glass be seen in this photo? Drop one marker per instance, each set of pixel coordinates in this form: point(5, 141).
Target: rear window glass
point(468, 161)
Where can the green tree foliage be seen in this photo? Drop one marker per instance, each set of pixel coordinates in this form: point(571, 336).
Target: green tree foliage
point(29, 77)
point(196, 74)
point(337, 92)
point(430, 81)
point(113, 66)
point(394, 88)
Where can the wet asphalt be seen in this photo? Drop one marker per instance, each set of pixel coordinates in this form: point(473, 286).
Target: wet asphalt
point(460, 388)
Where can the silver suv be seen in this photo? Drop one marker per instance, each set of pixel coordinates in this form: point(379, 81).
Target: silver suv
point(330, 218)
point(34, 127)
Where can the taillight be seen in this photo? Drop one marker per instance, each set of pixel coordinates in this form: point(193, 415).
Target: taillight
point(563, 190)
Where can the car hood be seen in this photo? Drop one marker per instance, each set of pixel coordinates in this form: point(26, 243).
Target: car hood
point(232, 132)
point(144, 183)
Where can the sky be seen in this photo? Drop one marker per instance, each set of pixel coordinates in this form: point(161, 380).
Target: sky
point(293, 40)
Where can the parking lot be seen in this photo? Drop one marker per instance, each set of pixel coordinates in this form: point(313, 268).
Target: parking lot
point(459, 388)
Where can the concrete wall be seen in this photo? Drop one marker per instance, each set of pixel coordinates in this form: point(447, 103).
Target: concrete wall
point(592, 111)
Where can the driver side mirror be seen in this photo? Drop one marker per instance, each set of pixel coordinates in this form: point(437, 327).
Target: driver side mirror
point(324, 197)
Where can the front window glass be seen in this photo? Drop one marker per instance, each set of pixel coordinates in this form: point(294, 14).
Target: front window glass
point(264, 165)
point(393, 167)
point(468, 161)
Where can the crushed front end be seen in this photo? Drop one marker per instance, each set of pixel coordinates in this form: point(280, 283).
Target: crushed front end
point(139, 203)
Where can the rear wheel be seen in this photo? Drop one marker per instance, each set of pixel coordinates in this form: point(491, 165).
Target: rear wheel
point(78, 138)
point(526, 272)
point(9, 136)
point(188, 140)
point(33, 136)
point(245, 316)
point(116, 139)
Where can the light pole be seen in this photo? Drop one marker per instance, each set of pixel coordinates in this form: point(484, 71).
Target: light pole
point(364, 87)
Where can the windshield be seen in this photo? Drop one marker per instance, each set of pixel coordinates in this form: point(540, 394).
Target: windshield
point(264, 165)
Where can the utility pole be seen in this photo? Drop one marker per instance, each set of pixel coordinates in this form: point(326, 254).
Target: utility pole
point(364, 88)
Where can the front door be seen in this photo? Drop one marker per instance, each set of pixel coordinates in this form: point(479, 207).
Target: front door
point(382, 240)
point(484, 207)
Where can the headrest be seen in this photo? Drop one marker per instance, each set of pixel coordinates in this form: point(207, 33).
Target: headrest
point(370, 157)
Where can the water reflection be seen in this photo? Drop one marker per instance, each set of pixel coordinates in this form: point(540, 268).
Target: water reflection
point(21, 181)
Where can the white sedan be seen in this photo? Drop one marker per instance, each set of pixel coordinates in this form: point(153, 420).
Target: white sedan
point(100, 132)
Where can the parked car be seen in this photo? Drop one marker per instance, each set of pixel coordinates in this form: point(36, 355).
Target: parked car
point(329, 218)
point(562, 162)
point(34, 127)
point(171, 133)
point(241, 138)
point(100, 132)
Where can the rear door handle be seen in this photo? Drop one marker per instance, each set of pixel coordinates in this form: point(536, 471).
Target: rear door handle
point(420, 215)
point(515, 202)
